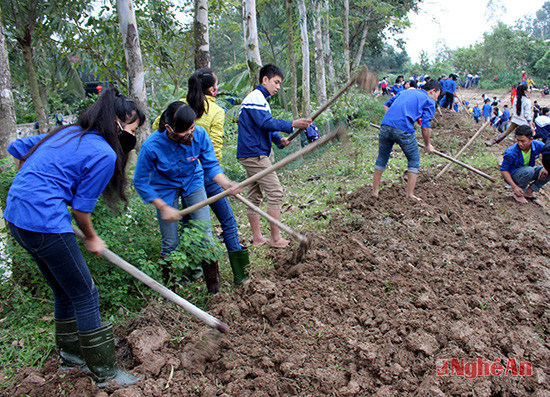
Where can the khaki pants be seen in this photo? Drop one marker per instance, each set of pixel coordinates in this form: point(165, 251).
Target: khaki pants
point(269, 184)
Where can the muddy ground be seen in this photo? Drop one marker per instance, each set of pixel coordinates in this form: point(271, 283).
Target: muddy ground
point(382, 299)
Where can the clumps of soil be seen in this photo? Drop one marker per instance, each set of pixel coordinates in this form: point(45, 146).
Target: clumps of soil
point(381, 296)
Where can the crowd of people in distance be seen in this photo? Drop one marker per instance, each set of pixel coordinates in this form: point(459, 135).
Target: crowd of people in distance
point(529, 121)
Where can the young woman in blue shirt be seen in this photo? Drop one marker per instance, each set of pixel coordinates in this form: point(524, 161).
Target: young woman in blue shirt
point(172, 166)
point(70, 167)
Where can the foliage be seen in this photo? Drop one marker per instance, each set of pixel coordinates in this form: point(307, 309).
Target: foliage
point(84, 104)
point(538, 25)
point(387, 60)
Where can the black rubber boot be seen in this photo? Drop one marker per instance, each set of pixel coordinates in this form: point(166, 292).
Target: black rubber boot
point(98, 349)
point(211, 276)
point(239, 264)
point(68, 345)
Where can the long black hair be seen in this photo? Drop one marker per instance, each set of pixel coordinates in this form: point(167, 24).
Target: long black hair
point(520, 93)
point(199, 83)
point(100, 119)
point(177, 115)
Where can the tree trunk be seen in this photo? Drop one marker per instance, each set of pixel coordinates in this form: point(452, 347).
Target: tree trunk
point(274, 56)
point(291, 61)
point(306, 98)
point(361, 46)
point(44, 96)
point(134, 63)
point(346, 40)
point(33, 88)
point(202, 41)
point(331, 76)
point(252, 49)
point(8, 126)
point(321, 86)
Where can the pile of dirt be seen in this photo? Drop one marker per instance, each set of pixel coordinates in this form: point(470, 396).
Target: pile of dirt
point(386, 299)
point(382, 299)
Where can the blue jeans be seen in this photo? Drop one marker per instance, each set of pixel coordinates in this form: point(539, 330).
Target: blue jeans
point(61, 263)
point(387, 137)
point(169, 230)
point(223, 212)
point(525, 175)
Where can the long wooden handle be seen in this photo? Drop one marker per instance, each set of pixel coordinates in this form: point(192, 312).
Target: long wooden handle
point(472, 139)
point(340, 131)
point(327, 104)
point(161, 289)
point(280, 225)
point(481, 173)
point(468, 167)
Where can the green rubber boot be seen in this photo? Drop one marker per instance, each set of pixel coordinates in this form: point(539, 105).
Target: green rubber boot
point(68, 345)
point(98, 349)
point(239, 264)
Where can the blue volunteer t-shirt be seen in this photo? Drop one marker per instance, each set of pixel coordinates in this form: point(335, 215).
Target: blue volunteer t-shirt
point(164, 166)
point(396, 89)
point(487, 109)
point(65, 170)
point(407, 107)
point(505, 116)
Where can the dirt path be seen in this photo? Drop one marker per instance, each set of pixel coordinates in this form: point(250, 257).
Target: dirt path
point(385, 297)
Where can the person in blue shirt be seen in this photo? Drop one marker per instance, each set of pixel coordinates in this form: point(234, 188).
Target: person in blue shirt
point(476, 112)
point(402, 111)
point(486, 110)
point(70, 167)
point(171, 166)
point(397, 87)
point(501, 123)
point(257, 131)
point(518, 166)
point(450, 88)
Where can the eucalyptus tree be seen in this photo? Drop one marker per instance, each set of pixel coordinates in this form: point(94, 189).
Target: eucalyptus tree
point(368, 23)
point(200, 28)
point(321, 86)
point(251, 44)
point(271, 30)
point(8, 127)
point(134, 62)
point(291, 61)
point(346, 43)
point(539, 24)
point(330, 74)
point(306, 98)
point(25, 21)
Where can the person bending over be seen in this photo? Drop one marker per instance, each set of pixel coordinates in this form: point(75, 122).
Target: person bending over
point(402, 111)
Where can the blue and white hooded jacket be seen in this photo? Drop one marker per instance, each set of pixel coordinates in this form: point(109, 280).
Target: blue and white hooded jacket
point(257, 128)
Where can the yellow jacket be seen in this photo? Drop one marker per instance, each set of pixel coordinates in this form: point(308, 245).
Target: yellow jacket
point(212, 121)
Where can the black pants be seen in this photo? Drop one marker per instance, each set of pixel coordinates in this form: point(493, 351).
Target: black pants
point(449, 99)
